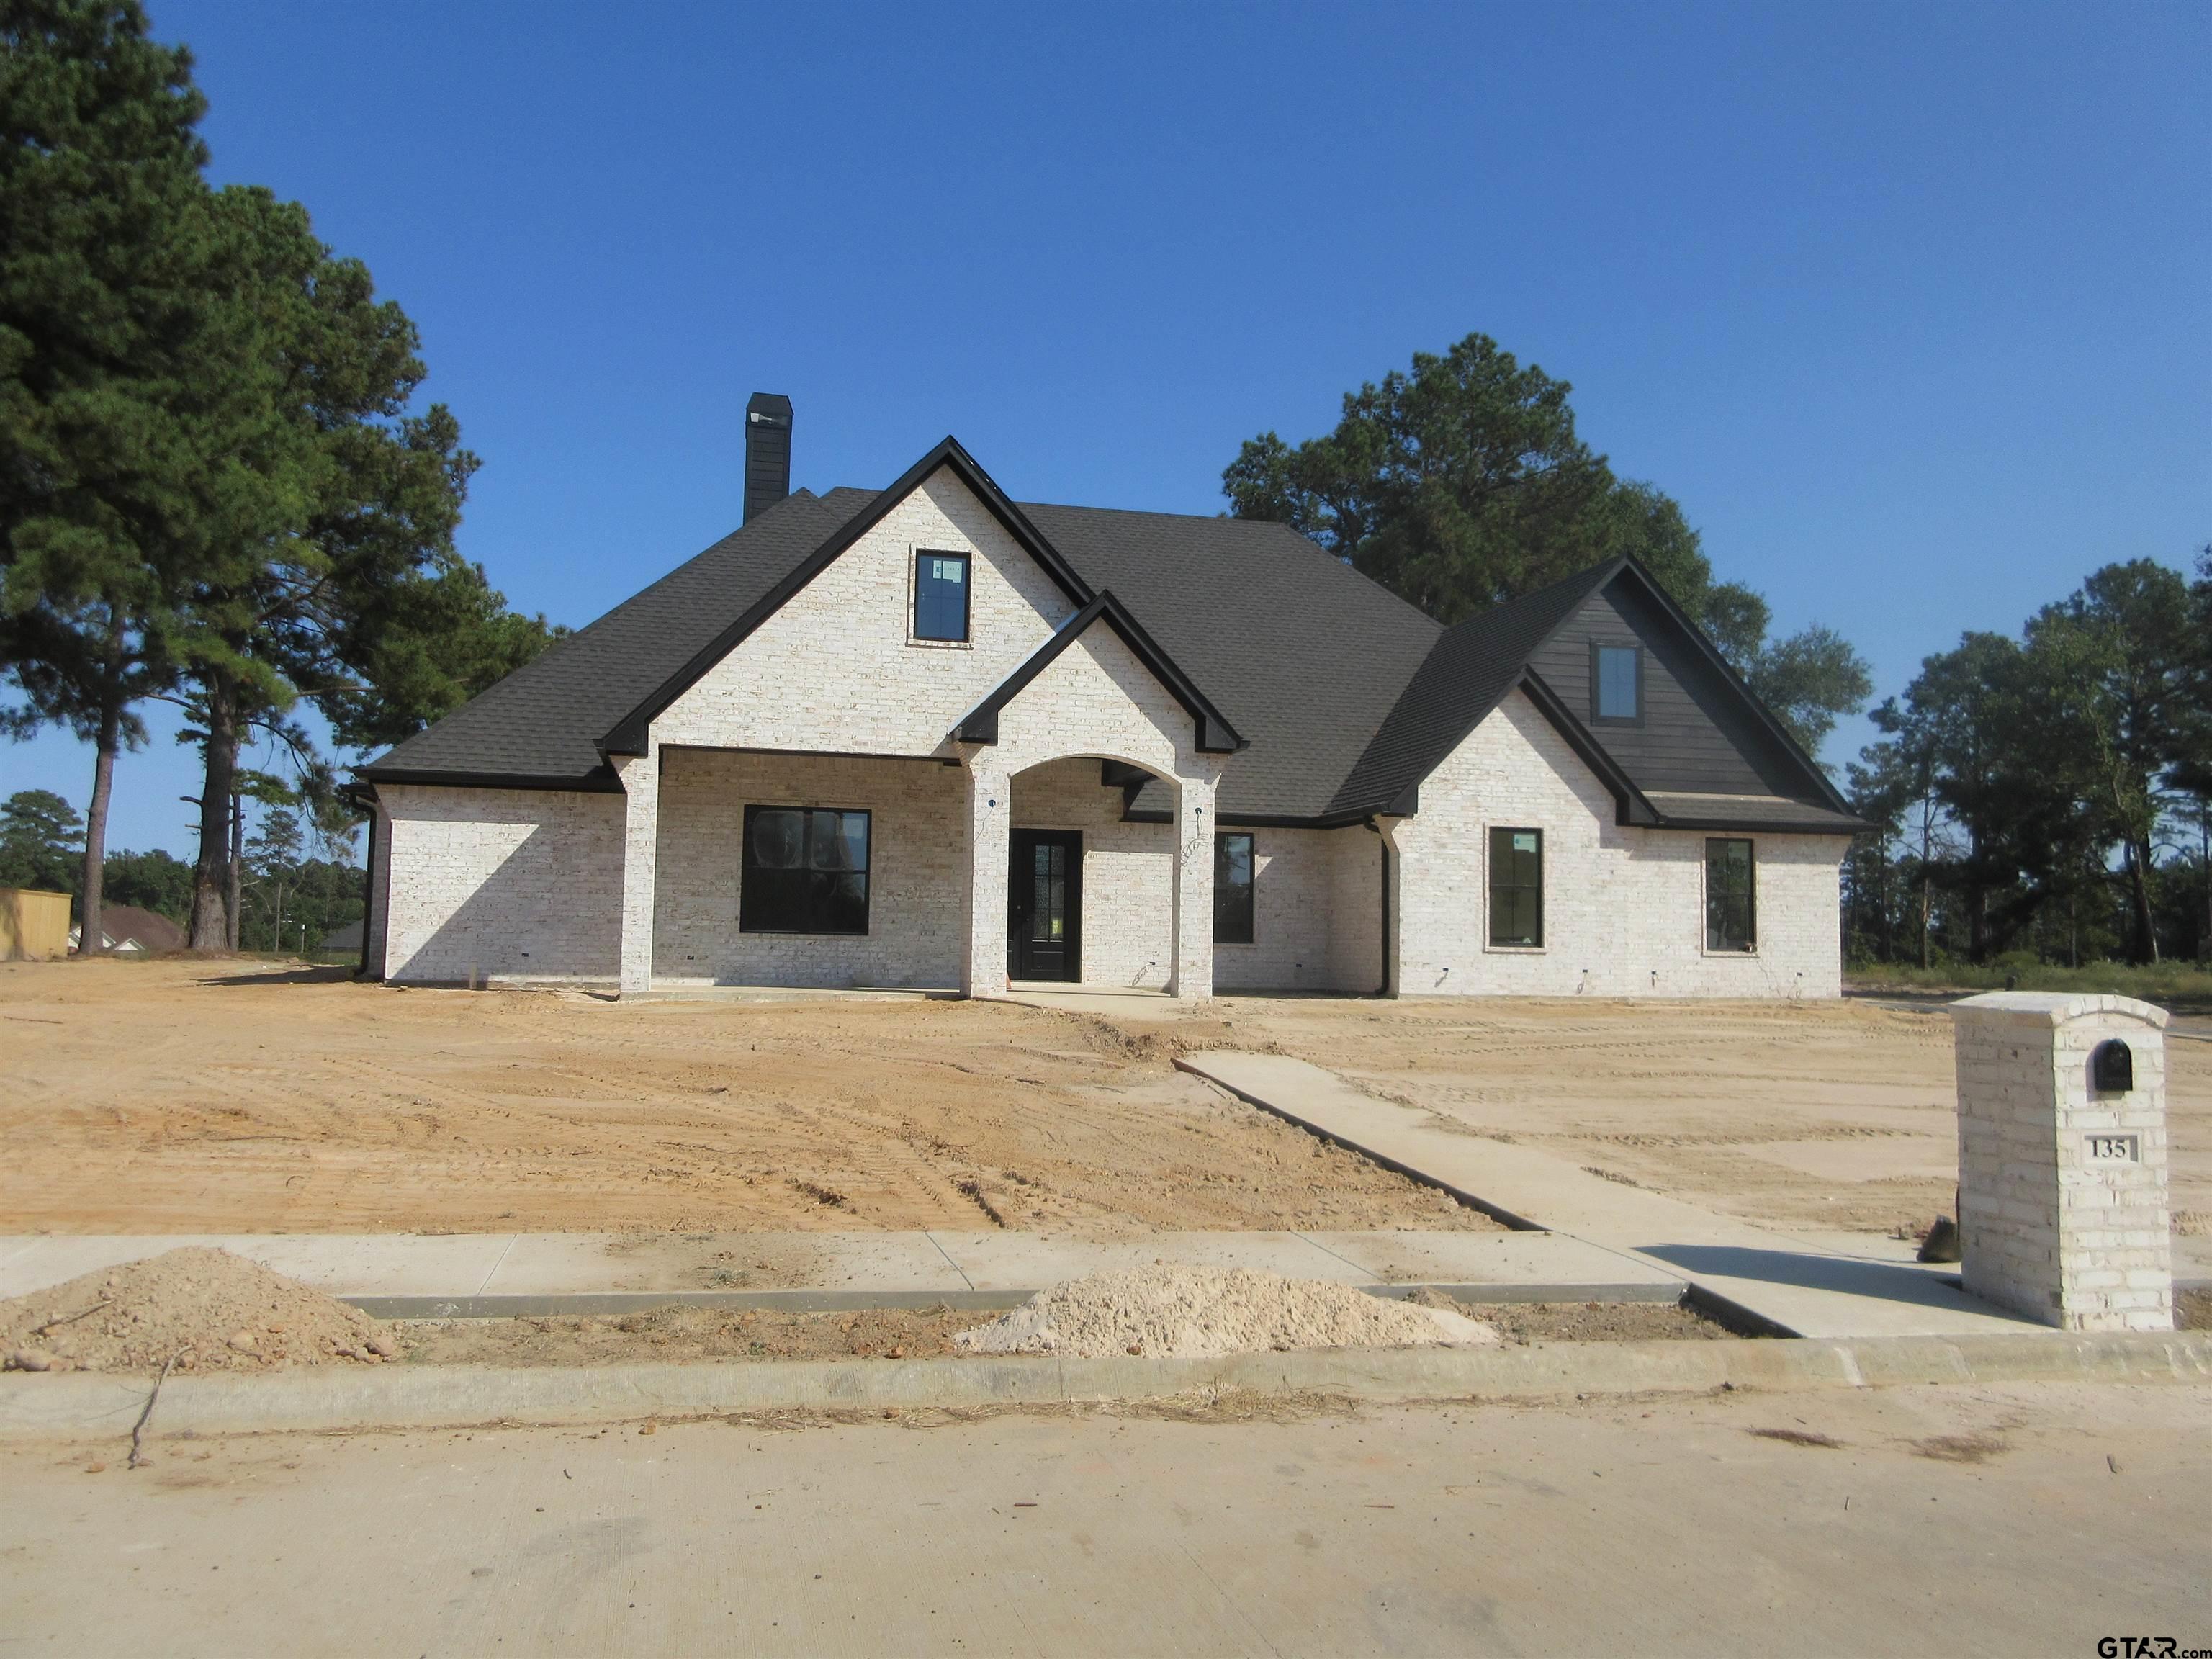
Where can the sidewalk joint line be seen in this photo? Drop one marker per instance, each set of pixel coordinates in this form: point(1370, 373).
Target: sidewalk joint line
point(949, 1261)
point(494, 1272)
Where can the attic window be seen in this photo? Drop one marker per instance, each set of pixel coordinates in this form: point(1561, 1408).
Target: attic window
point(940, 596)
point(1617, 682)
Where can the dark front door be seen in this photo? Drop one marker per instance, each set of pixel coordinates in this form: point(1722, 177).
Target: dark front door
point(1044, 905)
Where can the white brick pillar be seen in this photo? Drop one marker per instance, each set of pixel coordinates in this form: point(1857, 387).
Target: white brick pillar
point(641, 782)
point(983, 908)
point(1191, 970)
point(2062, 1171)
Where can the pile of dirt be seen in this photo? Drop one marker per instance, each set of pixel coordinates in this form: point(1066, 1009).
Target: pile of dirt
point(205, 1308)
point(1172, 1311)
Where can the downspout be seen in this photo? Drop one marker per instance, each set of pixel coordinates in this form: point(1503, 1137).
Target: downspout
point(368, 889)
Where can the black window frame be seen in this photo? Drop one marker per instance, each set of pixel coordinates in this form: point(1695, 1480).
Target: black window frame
point(1715, 938)
point(756, 881)
point(1597, 650)
point(1494, 887)
point(967, 598)
point(1226, 916)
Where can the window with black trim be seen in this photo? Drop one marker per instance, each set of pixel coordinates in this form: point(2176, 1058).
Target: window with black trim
point(1516, 887)
point(1617, 682)
point(1731, 898)
point(1232, 889)
point(940, 596)
point(805, 871)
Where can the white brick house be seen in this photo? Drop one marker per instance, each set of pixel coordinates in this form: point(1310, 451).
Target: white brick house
point(926, 737)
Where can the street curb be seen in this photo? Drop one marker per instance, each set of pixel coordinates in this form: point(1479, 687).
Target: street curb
point(581, 1303)
point(85, 1405)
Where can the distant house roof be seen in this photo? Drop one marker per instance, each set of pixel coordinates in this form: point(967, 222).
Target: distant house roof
point(128, 928)
point(1344, 695)
point(347, 938)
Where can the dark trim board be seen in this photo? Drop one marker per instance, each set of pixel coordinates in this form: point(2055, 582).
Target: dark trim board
point(805, 754)
point(1630, 807)
point(602, 781)
point(1215, 734)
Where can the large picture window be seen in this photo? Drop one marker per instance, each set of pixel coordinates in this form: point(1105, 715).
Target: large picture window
point(1731, 903)
point(1232, 889)
point(805, 871)
point(1516, 887)
point(940, 596)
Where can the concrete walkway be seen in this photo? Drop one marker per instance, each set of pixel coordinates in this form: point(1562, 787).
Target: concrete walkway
point(1815, 1287)
point(529, 1273)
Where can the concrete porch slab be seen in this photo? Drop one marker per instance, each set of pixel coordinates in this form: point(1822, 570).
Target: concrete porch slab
point(1115, 1002)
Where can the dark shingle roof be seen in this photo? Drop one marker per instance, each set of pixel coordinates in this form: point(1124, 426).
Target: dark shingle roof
point(1346, 696)
point(1301, 654)
point(542, 723)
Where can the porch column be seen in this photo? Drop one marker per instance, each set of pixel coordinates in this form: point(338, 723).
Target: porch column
point(641, 782)
point(983, 909)
point(1191, 970)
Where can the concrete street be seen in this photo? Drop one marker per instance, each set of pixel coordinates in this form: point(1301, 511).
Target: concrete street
point(1957, 1520)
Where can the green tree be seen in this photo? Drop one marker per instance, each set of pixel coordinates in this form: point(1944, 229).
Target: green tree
point(1463, 483)
point(1957, 739)
point(41, 841)
point(105, 462)
point(2189, 774)
point(371, 492)
point(2110, 668)
point(272, 862)
point(154, 880)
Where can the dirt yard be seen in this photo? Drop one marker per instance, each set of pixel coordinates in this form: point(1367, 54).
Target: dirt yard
point(1815, 1116)
point(186, 1097)
point(183, 1096)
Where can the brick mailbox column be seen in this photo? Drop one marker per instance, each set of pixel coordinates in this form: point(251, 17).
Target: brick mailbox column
point(2062, 1159)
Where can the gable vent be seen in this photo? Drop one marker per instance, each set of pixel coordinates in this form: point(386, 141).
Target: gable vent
point(768, 451)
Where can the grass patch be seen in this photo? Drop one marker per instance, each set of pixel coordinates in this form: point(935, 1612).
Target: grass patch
point(2185, 986)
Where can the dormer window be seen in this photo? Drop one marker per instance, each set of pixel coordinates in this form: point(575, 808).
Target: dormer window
point(940, 596)
point(1617, 684)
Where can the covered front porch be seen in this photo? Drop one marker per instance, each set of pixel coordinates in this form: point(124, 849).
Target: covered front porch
point(774, 869)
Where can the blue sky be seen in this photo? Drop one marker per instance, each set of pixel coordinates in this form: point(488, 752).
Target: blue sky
point(1911, 307)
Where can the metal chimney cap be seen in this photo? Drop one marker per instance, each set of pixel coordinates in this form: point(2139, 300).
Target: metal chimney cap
point(768, 406)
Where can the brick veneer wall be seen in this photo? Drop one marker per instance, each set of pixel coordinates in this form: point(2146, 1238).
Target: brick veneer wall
point(2046, 1229)
point(835, 671)
point(507, 882)
point(1309, 887)
point(1624, 907)
point(917, 857)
